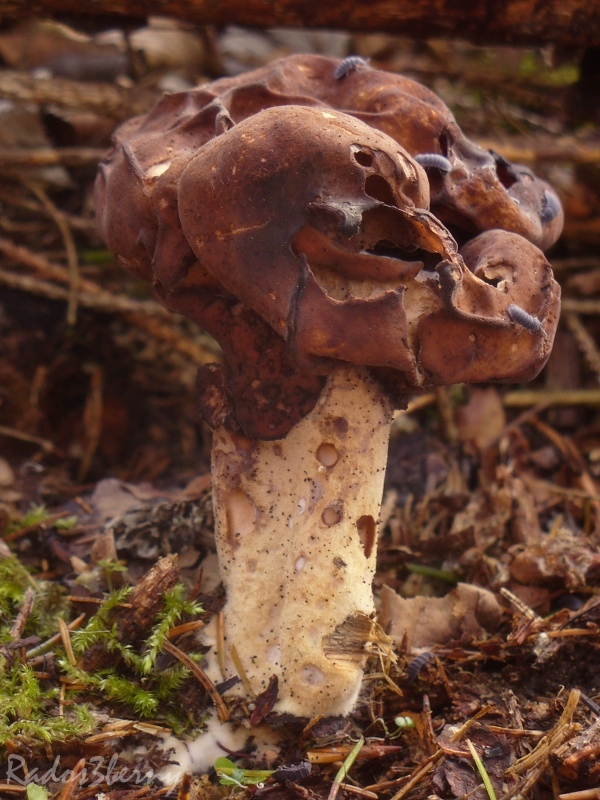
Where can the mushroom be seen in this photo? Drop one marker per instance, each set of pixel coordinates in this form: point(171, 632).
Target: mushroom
point(474, 190)
point(302, 239)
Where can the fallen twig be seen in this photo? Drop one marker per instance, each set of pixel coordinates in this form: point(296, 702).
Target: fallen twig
point(552, 397)
point(105, 99)
point(70, 249)
point(202, 677)
point(585, 342)
point(141, 313)
point(531, 151)
point(49, 156)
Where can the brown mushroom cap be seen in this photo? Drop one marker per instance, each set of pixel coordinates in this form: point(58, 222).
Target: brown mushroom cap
point(482, 342)
point(301, 238)
point(481, 191)
point(312, 183)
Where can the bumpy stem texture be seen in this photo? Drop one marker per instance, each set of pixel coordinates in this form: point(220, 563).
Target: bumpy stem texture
point(296, 527)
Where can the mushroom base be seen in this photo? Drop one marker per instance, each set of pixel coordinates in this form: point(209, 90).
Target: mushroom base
point(296, 529)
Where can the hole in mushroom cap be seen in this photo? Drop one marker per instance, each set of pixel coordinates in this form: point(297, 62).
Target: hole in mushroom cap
point(496, 275)
point(363, 158)
point(240, 513)
point(390, 249)
point(333, 514)
point(504, 170)
point(379, 189)
point(300, 563)
point(327, 454)
point(367, 531)
point(444, 141)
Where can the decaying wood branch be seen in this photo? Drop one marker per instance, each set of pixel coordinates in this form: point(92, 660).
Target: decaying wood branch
point(565, 22)
point(106, 99)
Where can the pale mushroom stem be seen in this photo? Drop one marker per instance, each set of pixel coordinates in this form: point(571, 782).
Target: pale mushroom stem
point(296, 529)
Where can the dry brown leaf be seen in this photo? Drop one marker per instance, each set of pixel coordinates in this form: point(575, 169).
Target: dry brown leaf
point(482, 419)
point(464, 613)
point(561, 557)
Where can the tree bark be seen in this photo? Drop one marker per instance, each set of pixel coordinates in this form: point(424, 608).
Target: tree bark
point(520, 22)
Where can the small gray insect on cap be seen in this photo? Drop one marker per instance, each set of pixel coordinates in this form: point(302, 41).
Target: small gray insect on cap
point(348, 65)
point(522, 318)
point(433, 160)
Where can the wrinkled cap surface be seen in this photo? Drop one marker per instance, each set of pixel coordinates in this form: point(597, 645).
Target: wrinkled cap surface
point(480, 191)
point(301, 237)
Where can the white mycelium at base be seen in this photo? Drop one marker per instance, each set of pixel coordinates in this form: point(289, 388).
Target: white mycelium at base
point(296, 528)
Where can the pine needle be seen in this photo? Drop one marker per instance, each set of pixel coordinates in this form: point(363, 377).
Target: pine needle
point(343, 770)
point(481, 770)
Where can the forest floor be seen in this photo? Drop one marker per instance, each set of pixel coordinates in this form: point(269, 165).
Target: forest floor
point(488, 575)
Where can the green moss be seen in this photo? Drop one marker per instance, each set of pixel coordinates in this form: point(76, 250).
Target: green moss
point(29, 712)
point(136, 682)
point(50, 601)
point(14, 580)
point(30, 701)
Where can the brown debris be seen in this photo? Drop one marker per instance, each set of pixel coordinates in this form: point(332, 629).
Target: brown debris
point(144, 602)
point(462, 615)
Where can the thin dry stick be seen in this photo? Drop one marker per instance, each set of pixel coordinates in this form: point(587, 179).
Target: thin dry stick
point(43, 523)
point(220, 626)
point(580, 306)
point(12, 433)
point(140, 313)
point(92, 420)
point(45, 646)
point(21, 202)
point(551, 397)
point(202, 677)
point(185, 627)
point(19, 624)
point(106, 99)
point(241, 671)
point(418, 775)
point(70, 249)
point(559, 149)
point(65, 636)
point(585, 342)
point(584, 794)
point(561, 731)
point(147, 314)
point(524, 609)
point(73, 782)
point(49, 156)
point(49, 270)
point(350, 789)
